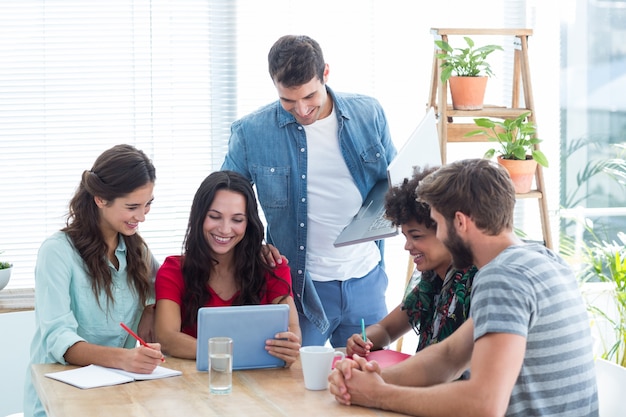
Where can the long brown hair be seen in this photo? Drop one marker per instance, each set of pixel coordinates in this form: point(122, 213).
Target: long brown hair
point(117, 172)
point(198, 258)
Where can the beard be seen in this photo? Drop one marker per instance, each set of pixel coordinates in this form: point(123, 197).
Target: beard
point(462, 256)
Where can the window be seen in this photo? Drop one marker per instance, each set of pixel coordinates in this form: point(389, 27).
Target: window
point(170, 76)
point(593, 104)
point(78, 77)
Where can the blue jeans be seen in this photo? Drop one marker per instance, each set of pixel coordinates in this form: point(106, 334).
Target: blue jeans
point(345, 303)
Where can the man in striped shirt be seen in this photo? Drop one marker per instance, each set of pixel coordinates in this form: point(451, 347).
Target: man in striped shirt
point(527, 344)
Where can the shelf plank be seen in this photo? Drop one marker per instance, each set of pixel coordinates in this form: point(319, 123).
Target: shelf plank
point(498, 112)
point(474, 31)
point(531, 194)
point(17, 299)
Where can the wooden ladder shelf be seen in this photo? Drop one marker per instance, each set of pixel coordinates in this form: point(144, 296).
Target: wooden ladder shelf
point(451, 131)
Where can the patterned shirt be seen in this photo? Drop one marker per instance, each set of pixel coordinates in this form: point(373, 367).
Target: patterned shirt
point(436, 307)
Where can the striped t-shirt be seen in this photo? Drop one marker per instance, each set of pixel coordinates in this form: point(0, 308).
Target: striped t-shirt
point(530, 291)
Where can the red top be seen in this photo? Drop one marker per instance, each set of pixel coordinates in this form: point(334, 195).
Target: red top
point(169, 285)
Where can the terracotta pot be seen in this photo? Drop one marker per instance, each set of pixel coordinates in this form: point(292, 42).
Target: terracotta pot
point(521, 172)
point(467, 93)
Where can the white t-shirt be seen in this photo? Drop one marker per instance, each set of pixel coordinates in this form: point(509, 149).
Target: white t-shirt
point(333, 200)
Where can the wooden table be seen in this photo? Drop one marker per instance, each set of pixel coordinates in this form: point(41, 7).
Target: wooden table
point(262, 392)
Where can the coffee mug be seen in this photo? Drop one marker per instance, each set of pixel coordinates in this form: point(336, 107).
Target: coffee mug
point(317, 362)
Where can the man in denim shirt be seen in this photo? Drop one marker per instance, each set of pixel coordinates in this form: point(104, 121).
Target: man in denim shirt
point(310, 193)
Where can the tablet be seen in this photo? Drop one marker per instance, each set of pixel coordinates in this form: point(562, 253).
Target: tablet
point(249, 327)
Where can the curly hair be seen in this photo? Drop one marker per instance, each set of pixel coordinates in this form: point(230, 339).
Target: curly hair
point(401, 205)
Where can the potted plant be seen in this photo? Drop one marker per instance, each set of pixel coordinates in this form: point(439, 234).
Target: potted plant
point(600, 264)
point(517, 151)
point(607, 264)
point(5, 273)
point(597, 252)
point(467, 70)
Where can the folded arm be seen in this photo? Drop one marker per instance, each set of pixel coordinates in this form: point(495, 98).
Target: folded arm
point(417, 386)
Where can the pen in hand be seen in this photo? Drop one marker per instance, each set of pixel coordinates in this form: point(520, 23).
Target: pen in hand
point(363, 335)
point(139, 339)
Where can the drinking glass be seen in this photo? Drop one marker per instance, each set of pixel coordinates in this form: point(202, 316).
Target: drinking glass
point(220, 365)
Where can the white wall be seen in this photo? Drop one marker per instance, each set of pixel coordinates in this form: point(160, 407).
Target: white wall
point(17, 330)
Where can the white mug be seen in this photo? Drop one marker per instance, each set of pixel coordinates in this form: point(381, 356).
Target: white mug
point(317, 362)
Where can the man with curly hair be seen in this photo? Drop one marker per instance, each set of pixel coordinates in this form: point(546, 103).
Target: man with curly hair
point(527, 342)
point(437, 298)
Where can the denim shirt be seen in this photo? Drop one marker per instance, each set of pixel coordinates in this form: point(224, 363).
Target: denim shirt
point(269, 147)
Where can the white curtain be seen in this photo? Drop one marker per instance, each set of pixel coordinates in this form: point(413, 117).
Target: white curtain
point(77, 77)
point(169, 76)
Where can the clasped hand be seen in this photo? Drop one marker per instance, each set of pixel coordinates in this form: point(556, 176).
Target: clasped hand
point(356, 381)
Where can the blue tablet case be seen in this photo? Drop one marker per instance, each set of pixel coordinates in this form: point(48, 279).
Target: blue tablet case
point(249, 327)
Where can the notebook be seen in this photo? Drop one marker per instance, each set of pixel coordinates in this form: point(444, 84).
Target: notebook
point(248, 326)
point(93, 376)
point(421, 149)
point(385, 357)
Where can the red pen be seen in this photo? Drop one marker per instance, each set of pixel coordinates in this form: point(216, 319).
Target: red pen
point(139, 339)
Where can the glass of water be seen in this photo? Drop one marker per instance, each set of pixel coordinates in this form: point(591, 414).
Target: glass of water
point(220, 365)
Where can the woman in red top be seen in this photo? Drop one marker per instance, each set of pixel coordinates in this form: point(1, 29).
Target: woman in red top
point(221, 266)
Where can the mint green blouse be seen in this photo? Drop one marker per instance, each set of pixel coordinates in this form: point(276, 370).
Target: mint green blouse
point(66, 310)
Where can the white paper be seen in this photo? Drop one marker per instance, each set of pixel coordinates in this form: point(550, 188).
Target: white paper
point(93, 376)
point(159, 372)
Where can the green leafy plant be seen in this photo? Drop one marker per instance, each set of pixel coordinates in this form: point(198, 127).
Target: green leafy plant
point(605, 261)
point(465, 62)
point(598, 258)
point(5, 265)
point(603, 160)
point(516, 138)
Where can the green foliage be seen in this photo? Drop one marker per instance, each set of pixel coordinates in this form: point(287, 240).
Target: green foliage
point(465, 62)
point(599, 259)
point(605, 261)
point(515, 136)
point(613, 167)
point(5, 265)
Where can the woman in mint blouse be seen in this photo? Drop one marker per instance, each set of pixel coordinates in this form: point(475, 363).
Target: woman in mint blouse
point(97, 272)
